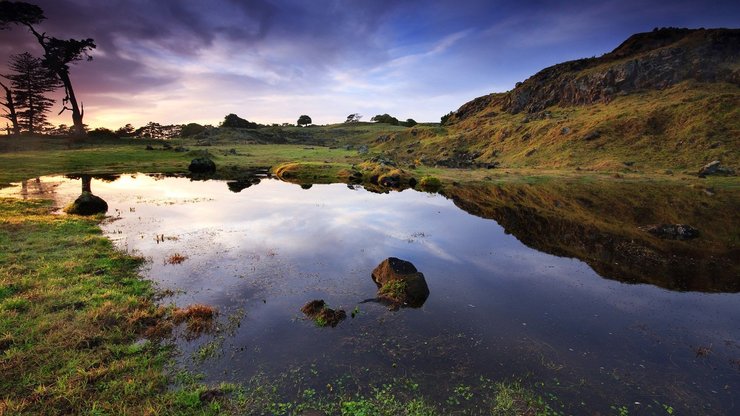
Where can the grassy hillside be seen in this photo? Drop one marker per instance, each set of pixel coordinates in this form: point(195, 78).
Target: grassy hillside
point(681, 128)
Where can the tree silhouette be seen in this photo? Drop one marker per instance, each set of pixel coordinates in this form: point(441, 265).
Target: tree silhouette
point(385, 118)
point(30, 84)
point(234, 121)
point(10, 108)
point(353, 118)
point(58, 53)
point(304, 120)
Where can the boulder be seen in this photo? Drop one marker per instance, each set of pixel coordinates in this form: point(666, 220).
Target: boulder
point(672, 231)
point(202, 165)
point(363, 149)
point(400, 284)
point(87, 204)
point(715, 168)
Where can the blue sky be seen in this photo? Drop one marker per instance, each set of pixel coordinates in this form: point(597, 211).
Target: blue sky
point(177, 61)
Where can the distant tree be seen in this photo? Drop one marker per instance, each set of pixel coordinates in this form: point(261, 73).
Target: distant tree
point(102, 133)
point(410, 122)
point(58, 53)
point(31, 82)
point(234, 121)
point(445, 118)
point(385, 118)
point(353, 118)
point(61, 130)
point(125, 131)
point(191, 129)
point(11, 115)
point(304, 120)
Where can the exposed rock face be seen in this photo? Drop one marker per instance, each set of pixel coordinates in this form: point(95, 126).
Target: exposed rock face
point(653, 60)
point(400, 284)
point(672, 231)
point(202, 165)
point(87, 204)
point(715, 168)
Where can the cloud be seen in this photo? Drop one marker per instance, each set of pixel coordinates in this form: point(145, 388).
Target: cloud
point(181, 60)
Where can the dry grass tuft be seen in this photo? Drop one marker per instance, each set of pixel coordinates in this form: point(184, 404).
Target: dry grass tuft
point(198, 318)
point(176, 258)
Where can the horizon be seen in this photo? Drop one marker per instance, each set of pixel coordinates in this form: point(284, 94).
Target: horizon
point(270, 62)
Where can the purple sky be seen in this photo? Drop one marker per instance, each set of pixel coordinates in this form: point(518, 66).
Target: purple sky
point(178, 61)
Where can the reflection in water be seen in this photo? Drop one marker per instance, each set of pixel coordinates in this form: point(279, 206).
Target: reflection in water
point(510, 297)
point(607, 226)
point(87, 203)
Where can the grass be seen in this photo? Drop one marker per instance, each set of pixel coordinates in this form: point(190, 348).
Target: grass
point(72, 312)
point(680, 128)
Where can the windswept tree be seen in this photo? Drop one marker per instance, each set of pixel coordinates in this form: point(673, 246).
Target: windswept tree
point(58, 53)
point(353, 118)
point(31, 82)
point(9, 105)
point(385, 118)
point(304, 120)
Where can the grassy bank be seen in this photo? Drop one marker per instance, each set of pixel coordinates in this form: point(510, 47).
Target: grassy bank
point(76, 337)
point(71, 311)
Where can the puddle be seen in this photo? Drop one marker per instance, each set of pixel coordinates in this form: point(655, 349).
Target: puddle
point(496, 307)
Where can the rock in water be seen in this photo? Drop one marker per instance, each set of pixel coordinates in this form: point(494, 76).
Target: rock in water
point(400, 283)
point(672, 231)
point(87, 204)
point(202, 165)
point(322, 314)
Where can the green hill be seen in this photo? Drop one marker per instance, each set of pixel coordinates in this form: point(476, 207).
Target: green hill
point(667, 99)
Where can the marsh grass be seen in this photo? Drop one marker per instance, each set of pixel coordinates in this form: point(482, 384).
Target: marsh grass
point(71, 314)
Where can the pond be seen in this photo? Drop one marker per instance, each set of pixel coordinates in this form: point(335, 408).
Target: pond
point(552, 284)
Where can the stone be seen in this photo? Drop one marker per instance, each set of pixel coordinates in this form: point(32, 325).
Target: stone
point(202, 165)
point(87, 204)
point(322, 314)
point(400, 284)
point(363, 149)
point(715, 168)
point(672, 231)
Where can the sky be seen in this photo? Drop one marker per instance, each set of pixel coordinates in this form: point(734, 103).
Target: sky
point(270, 61)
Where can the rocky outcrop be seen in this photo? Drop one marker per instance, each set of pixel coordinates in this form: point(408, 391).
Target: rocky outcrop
point(715, 168)
point(400, 284)
point(653, 60)
point(672, 231)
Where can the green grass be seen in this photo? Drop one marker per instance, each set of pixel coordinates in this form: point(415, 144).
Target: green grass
point(679, 128)
point(71, 311)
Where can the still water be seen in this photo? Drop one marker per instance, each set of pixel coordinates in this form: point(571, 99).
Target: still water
point(497, 308)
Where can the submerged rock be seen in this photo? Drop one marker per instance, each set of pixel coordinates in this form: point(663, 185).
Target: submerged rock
point(202, 165)
point(87, 204)
point(400, 284)
point(672, 231)
point(322, 314)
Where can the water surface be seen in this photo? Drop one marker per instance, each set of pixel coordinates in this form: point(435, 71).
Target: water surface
point(497, 307)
